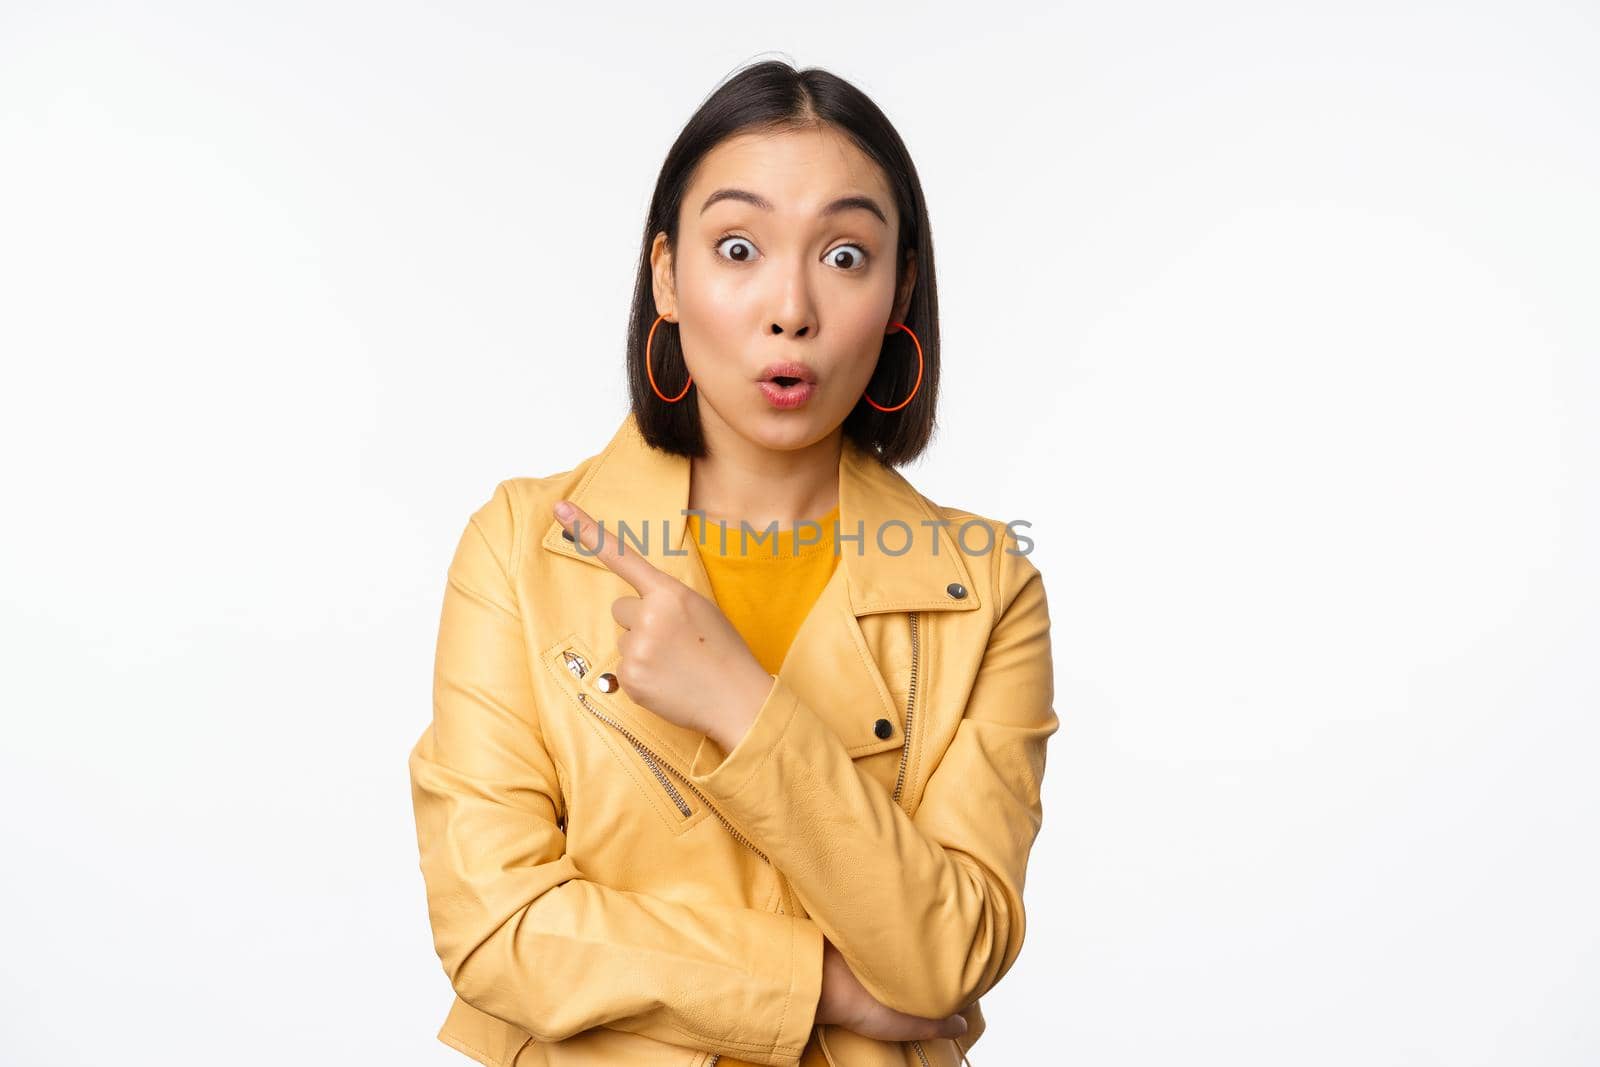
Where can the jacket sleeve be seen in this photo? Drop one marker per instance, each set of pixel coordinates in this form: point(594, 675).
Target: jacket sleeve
point(927, 910)
point(522, 934)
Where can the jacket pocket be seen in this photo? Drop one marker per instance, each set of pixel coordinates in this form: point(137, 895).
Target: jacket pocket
point(677, 801)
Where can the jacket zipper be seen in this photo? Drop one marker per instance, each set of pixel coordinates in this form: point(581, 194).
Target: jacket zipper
point(649, 759)
point(905, 755)
point(657, 764)
point(911, 707)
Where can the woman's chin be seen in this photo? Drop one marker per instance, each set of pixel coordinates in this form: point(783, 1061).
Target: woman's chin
point(783, 431)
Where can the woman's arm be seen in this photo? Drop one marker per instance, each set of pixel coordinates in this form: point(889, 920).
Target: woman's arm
point(522, 934)
point(927, 910)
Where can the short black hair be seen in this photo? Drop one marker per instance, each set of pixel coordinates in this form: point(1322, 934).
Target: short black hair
point(768, 96)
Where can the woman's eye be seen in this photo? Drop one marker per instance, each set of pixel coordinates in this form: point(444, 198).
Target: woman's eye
point(847, 257)
point(739, 249)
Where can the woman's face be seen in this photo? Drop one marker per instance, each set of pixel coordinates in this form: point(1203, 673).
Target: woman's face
point(781, 258)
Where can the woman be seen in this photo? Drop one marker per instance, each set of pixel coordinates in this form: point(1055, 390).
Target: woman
point(688, 801)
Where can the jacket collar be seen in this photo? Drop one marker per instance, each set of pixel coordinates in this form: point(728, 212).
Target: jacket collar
point(836, 663)
point(629, 482)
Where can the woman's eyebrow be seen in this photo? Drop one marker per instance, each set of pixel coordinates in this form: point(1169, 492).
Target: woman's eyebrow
point(844, 203)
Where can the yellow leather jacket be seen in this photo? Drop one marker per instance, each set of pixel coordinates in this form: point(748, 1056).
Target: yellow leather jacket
point(606, 887)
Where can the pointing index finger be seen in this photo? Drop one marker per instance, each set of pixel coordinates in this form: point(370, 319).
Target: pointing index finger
point(608, 548)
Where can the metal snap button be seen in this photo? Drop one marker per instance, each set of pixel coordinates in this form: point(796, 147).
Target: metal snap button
point(606, 683)
point(957, 590)
point(883, 728)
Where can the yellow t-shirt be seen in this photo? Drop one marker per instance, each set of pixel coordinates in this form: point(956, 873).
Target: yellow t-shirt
point(767, 596)
point(766, 587)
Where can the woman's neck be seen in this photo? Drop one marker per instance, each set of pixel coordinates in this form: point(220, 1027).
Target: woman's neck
point(742, 481)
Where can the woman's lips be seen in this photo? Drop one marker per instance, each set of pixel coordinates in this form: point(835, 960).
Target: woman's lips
point(786, 396)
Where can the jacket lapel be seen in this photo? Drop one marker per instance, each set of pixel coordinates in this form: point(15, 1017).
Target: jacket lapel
point(850, 675)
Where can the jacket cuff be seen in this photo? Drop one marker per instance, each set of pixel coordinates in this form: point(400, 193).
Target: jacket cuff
point(806, 989)
point(759, 744)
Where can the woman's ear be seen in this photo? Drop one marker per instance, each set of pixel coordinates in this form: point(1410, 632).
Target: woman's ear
point(666, 295)
point(908, 283)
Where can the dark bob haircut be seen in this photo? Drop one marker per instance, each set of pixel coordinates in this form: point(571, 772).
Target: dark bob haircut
point(768, 97)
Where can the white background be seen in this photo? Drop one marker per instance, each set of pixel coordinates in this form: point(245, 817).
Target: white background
point(1277, 322)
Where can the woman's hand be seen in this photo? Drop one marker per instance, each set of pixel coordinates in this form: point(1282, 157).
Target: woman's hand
point(681, 657)
point(845, 1002)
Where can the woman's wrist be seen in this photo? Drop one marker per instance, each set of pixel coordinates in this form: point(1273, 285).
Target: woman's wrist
point(747, 694)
